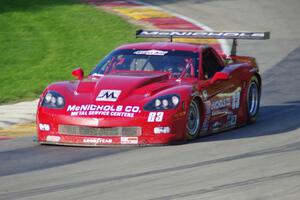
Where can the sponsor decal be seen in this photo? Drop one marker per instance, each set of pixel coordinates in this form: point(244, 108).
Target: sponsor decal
point(206, 121)
point(222, 103)
point(216, 126)
point(108, 95)
point(52, 138)
point(151, 52)
point(236, 100)
point(231, 100)
point(205, 125)
point(162, 130)
point(103, 110)
point(231, 120)
point(220, 111)
point(129, 140)
point(155, 117)
point(44, 127)
point(97, 140)
point(207, 106)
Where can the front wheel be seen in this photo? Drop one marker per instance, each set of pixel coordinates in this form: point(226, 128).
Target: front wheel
point(253, 99)
point(193, 120)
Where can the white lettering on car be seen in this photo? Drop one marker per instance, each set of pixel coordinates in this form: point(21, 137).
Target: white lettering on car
point(151, 52)
point(222, 103)
point(103, 110)
point(231, 120)
point(236, 100)
point(97, 140)
point(155, 117)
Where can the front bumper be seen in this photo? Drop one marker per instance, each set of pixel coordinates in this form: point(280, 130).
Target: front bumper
point(87, 131)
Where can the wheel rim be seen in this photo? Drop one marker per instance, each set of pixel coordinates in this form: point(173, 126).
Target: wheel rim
point(193, 119)
point(253, 99)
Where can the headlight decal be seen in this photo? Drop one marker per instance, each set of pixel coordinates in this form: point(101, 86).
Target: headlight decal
point(53, 100)
point(165, 102)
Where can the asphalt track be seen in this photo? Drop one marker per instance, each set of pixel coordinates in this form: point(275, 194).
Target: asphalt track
point(260, 161)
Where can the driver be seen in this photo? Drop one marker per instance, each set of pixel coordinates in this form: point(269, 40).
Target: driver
point(175, 66)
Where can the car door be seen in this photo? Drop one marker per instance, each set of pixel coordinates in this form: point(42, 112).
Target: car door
point(221, 94)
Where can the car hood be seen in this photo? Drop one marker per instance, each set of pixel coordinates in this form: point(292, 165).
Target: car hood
point(116, 87)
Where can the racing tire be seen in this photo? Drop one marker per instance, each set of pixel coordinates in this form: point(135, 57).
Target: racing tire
point(193, 120)
point(253, 99)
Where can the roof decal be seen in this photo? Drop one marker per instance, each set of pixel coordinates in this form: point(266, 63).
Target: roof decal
point(151, 52)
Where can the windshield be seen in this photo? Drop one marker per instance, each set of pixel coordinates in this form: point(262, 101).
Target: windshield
point(180, 64)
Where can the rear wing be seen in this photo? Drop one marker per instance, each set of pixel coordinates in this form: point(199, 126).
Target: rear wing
point(204, 35)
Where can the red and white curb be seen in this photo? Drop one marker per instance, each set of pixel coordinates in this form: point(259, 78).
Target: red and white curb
point(5, 138)
point(153, 17)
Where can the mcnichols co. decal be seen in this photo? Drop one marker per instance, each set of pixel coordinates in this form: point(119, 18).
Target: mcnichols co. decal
point(103, 110)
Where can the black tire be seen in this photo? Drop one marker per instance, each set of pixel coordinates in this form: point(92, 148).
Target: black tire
point(253, 99)
point(193, 122)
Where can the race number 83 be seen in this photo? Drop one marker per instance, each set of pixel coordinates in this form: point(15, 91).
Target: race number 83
point(155, 116)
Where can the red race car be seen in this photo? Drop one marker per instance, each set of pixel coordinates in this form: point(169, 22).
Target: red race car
point(154, 93)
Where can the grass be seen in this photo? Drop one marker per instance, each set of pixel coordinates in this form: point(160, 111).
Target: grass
point(41, 41)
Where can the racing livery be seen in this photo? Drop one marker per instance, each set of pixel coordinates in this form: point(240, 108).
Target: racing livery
point(154, 93)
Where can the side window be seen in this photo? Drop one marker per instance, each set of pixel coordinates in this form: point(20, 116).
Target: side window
point(210, 64)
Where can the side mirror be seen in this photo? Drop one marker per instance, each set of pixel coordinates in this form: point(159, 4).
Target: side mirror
point(78, 73)
point(219, 76)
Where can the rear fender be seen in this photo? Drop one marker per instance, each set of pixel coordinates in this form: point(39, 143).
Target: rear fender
point(244, 59)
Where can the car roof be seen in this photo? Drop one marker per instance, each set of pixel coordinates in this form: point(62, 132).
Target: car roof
point(162, 46)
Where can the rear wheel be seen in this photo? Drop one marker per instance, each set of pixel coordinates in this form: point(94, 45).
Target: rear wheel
point(193, 120)
point(253, 99)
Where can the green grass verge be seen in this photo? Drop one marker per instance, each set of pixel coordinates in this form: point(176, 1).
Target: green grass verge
point(41, 41)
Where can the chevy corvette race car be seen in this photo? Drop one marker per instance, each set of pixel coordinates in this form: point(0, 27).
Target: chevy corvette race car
point(154, 93)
